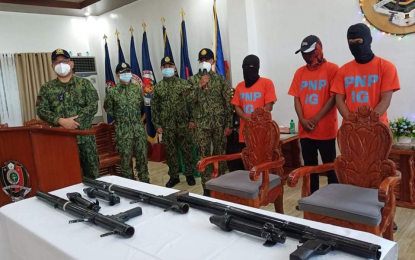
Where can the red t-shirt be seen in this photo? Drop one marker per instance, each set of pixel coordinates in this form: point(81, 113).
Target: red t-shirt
point(313, 90)
point(258, 95)
point(362, 84)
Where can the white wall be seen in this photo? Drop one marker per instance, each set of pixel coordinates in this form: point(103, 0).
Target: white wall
point(281, 26)
point(20, 32)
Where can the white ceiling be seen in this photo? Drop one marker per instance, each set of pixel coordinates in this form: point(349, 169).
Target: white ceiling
point(98, 8)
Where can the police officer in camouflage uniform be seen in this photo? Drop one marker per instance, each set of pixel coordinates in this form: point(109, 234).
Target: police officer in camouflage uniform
point(170, 116)
point(71, 102)
point(211, 112)
point(123, 102)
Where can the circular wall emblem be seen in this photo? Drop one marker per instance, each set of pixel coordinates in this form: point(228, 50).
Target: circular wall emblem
point(15, 180)
point(390, 16)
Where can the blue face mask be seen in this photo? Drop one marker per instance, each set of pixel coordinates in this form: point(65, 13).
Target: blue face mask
point(126, 77)
point(168, 72)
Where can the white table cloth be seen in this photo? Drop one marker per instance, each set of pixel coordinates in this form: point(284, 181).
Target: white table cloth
point(33, 229)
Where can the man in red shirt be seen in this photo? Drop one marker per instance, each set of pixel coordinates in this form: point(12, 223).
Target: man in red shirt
point(315, 107)
point(253, 92)
point(367, 80)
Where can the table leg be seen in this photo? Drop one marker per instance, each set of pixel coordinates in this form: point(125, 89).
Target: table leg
point(295, 150)
point(407, 181)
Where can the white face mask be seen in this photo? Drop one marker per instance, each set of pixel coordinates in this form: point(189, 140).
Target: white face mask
point(62, 69)
point(205, 65)
point(126, 77)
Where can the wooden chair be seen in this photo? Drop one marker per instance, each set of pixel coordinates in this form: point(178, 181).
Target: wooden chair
point(109, 158)
point(364, 199)
point(263, 182)
point(34, 122)
point(4, 125)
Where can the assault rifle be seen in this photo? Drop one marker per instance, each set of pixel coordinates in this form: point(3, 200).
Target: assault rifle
point(314, 241)
point(139, 196)
point(114, 223)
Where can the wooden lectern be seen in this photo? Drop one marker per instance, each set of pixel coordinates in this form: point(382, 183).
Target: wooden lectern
point(37, 157)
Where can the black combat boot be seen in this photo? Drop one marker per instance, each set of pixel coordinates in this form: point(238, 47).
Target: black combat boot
point(172, 182)
point(191, 180)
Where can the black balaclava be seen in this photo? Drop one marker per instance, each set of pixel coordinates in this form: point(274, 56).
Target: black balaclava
point(362, 52)
point(251, 74)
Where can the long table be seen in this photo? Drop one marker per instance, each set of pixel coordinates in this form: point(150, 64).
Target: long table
point(32, 229)
point(290, 148)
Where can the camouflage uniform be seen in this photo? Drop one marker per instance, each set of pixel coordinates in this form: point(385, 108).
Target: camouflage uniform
point(170, 111)
point(79, 98)
point(123, 103)
point(212, 112)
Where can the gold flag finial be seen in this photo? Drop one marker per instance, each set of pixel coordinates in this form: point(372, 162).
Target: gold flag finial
point(131, 30)
point(162, 21)
point(105, 37)
point(117, 32)
point(182, 13)
point(144, 26)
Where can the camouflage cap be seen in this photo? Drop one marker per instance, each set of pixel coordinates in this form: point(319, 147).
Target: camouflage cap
point(121, 67)
point(206, 53)
point(167, 60)
point(60, 52)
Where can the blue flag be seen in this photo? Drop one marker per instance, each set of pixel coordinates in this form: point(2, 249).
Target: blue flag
point(149, 82)
point(135, 68)
point(185, 67)
point(220, 61)
point(167, 48)
point(109, 77)
point(120, 53)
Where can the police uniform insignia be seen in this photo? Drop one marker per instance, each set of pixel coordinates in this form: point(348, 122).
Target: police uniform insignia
point(14, 179)
point(167, 59)
point(204, 52)
point(59, 51)
point(124, 65)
